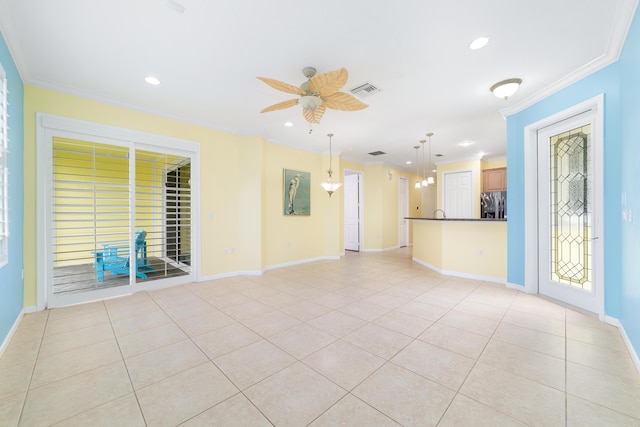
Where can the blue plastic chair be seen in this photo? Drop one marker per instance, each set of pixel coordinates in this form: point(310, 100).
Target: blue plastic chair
point(110, 260)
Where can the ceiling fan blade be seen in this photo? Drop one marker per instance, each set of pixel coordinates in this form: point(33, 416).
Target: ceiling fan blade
point(344, 101)
point(329, 83)
point(285, 87)
point(314, 116)
point(281, 105)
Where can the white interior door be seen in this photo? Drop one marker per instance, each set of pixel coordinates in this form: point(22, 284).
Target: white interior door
point(403, 211)
point(567, 220)
point(352, 212)
point(458, 194)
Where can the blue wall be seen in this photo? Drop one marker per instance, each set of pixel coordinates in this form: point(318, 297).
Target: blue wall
point(619, 84)
point(11, 283)
point(629, 302)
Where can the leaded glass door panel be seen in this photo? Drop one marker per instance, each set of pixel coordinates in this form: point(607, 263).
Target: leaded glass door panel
point(566, 212)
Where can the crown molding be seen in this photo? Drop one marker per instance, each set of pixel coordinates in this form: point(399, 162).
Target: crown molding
point(625, 12)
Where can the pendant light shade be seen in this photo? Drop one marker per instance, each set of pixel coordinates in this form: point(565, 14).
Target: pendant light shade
point(430, 179)
point(424, 166)
point(329, 185)
point(417, 147)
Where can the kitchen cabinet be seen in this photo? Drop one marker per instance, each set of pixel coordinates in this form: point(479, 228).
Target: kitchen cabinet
point(494, 179)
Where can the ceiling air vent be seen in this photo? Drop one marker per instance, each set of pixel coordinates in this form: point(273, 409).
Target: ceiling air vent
point(377, 153)
point(365, 89)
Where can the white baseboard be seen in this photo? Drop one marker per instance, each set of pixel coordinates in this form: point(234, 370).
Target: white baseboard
point(517, 287)
point(460, 274)
point(381, 249)
point(632, 351)
point(301, 261)
point(12, 331)
point(426, 264)
point(230, 274)
point(267, 268)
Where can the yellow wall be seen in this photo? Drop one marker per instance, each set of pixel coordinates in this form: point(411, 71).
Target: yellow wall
point(472, 248)
point(287, 238)
point(494, 164)
point(240, 198)
point(242, 226)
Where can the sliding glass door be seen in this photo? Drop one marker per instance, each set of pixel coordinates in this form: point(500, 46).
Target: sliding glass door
point(117, 217)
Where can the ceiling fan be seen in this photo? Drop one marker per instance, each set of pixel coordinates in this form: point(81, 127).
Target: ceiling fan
point(319, 92)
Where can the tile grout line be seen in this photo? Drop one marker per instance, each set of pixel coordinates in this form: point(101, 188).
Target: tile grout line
point(26, 396)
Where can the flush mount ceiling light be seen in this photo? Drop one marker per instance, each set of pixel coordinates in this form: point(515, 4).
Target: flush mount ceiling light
point(506, 88)
point(152, 80)
point(479, 43)
point(288, 124)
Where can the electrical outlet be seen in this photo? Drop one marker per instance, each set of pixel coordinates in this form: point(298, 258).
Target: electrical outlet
point(480, 252)
point(226, 251)
point(233, 251)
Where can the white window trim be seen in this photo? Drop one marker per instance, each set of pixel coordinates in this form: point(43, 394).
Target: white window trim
point(4, 171)
point(49, 126)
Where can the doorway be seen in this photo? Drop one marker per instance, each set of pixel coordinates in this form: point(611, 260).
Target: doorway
point(563, 187)
point(103, 209)
point(353, 210)
point(178, 214)
point(403, 211)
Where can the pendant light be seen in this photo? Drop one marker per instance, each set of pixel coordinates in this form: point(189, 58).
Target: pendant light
point(330, 186)
point(417, 147)
point(424, 168)
point(430, 179)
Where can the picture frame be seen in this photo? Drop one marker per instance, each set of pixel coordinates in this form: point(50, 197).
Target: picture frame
point(296, 192)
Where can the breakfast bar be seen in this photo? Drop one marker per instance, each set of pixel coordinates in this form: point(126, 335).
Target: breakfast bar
point(473, 248)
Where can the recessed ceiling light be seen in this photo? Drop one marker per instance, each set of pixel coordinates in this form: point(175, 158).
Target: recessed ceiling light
point(465, 143)
point(479, 43)
point(152, 80)
point(288, 124)
point(408, 162)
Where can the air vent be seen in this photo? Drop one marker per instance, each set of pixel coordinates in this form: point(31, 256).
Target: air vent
point(377, 153)
point(365, 89)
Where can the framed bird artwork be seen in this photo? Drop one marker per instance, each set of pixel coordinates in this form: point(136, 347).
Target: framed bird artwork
point(296, 192)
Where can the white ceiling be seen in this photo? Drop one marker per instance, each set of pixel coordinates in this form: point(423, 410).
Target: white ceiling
point(209, 56)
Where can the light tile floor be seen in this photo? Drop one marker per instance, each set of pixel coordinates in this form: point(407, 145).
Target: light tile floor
point(370, 340)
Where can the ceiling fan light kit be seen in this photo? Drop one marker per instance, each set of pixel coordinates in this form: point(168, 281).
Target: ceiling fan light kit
point(506, 88)
point(319, 92)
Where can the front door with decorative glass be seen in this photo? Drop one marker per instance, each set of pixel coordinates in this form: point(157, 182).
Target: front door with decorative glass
point(566, 215)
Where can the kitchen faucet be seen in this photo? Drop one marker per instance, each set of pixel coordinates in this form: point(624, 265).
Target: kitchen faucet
point(436, 212)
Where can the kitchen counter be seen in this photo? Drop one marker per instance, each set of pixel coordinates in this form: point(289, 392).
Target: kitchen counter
point(460, 219)
point(474, 248)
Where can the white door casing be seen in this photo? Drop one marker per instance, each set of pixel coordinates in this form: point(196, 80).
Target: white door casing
point(540, 229)
point(403, 211)
point(352, 212)
point(50, 126)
